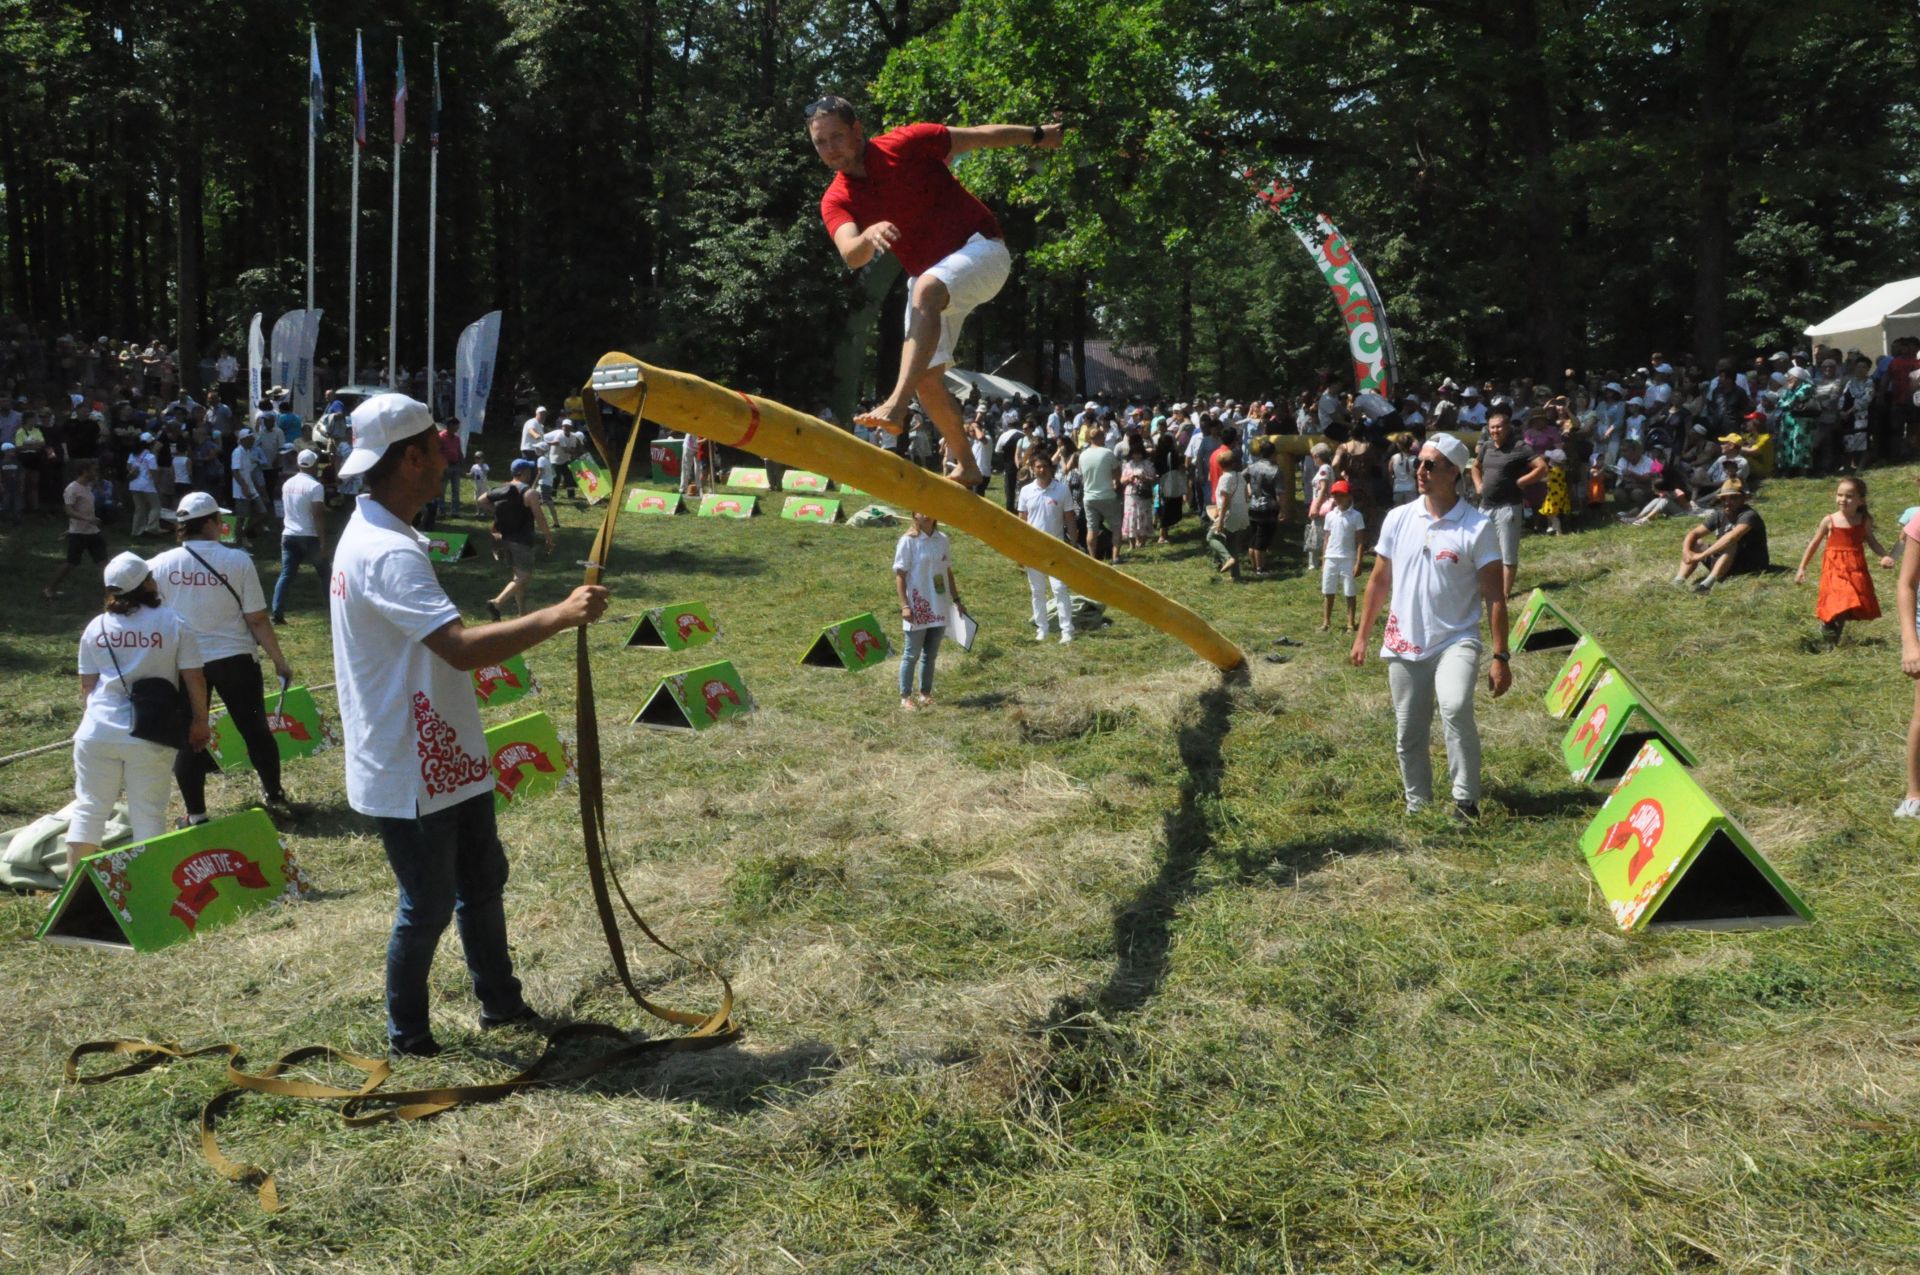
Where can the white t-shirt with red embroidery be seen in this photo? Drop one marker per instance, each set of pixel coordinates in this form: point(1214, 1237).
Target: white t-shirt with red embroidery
point(925, 561)
point(411, 726)
point(1436, 577)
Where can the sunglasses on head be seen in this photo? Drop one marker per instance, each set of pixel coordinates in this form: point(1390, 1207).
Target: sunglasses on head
point(824, 106)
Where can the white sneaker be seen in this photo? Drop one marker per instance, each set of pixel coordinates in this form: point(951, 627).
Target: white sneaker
point(1909, 808)
point(1066, 637)
point(1039, 635)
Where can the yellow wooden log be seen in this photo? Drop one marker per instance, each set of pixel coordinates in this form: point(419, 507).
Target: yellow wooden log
point(684, 402)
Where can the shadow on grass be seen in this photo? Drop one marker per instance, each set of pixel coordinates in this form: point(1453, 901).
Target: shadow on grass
point(1523, 801)
point(1289, 861)
point(1142, 926)
point(732, 1078)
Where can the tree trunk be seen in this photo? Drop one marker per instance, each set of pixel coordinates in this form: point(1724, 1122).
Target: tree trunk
point(1541, 222)
point(1720, 57)
point(1078, 336)
point(187, 241)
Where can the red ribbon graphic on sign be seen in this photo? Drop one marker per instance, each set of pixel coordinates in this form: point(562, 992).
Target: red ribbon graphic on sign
point(1646, 821)
point(687, 622)
point(494, 675)
point(717, 693)
point(292, 727)
point(1571, 680)
point(194, 878)
point(862, 642)
point(511, 762)
point(1590, 730)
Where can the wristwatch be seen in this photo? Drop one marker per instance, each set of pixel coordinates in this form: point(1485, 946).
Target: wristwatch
point(1505, 657)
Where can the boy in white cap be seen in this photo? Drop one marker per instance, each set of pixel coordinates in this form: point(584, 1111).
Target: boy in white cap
point(247, 506)
point(1436, 564)
point(415, 751)
point(142, 466)
point(303, 533)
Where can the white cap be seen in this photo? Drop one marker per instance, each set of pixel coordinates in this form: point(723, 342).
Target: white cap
point(198, 504)
point(146, 438)
point(1614, 386)
point(1636, 401)
point(1799, 374)
point(307, 458)
point(244, 433)
point(1469, 392)
point(1665, 369)
point(1091, 406)
point(380, 422)
point(1450, 447)
point(126, 571)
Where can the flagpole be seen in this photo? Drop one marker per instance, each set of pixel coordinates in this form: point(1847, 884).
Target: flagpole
point(393, 268)
point(313, 134)
point(353, 251)
point(433, 216)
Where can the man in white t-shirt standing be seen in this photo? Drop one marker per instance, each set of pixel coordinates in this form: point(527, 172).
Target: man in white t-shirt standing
point(1436, 562)
point(415, 751)
point(247, 505)
point(303, 531)
point(1046, 504)
point(533, 434)
point(142, 467)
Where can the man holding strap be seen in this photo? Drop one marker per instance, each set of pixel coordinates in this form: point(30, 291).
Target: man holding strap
point(894, 193)
point(416, 754)
point(1435, 563)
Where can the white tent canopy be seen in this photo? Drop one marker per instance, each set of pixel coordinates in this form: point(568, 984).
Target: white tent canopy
point(1875, 321)
point(989, 385)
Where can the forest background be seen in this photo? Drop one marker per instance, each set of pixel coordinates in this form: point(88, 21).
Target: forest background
point(1535, 185)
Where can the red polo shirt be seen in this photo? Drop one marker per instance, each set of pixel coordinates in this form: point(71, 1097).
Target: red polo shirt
point(909, 184)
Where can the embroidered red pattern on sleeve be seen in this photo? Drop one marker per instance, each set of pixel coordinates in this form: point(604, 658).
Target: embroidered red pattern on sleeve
point(444, 765)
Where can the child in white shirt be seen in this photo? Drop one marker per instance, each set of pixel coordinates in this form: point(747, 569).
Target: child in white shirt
point(1340, 571)
point(1316, 473)
point(479, 475)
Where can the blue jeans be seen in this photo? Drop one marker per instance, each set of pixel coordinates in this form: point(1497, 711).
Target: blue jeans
point(923, 645)
point(450, 865)
point(295, 550)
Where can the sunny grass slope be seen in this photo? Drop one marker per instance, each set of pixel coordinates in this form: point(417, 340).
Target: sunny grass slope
point(1101, 966)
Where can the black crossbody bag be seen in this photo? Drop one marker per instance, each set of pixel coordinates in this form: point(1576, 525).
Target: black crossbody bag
point(161, 712)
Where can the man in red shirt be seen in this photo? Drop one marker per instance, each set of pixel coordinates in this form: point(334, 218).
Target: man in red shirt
point(894, 193)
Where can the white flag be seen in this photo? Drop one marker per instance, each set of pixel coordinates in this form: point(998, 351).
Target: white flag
point(473, 372)
point(256, 369)
point(302, 383)
point(289, 336)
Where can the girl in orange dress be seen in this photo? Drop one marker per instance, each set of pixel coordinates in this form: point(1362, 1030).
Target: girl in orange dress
point(1846, 587)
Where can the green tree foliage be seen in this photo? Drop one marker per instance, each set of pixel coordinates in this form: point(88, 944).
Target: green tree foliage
point(1531, 184)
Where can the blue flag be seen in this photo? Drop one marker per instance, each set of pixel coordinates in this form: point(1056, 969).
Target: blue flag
point(359, 94)
point(315, 94)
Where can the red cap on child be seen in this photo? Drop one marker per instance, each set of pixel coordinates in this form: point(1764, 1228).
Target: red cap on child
point(1341, 488)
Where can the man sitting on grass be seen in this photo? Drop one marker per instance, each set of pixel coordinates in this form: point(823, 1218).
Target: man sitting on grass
point(1736, 541)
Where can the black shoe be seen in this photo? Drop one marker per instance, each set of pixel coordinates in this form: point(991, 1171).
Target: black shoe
point(284, 806)
point(1466, 811)
point(280, 620)
point(1287, 641)
point(493, 611)
point(1275, 657)
point(424, 1047)
point(524, 1015)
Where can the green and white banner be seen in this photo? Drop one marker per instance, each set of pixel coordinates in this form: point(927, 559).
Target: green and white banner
point(662, 503)
point(1665, 854)
point(1543, 626)
point(1570, 685)
point(528, 759)
point(1610, 728)
point(810, 509)
point(503, 683)
point(449, 546)
point(696, 699)
point(714, 505)
point(1369, 342)
point(674, 628)
point(175, 887)
point(298, 731)
point(854, 643)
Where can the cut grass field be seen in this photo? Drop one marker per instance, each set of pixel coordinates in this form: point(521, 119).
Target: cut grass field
point(1103, 965)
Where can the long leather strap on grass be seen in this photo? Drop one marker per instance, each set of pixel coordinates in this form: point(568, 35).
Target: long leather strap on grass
point(368, 1103)
point(719, 1025)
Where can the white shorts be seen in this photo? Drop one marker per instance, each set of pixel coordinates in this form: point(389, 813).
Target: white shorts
point(974, 274)
point(1336, 577)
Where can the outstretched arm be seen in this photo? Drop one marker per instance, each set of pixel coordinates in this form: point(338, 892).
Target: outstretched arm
point(1819, 534)
point(997, 136)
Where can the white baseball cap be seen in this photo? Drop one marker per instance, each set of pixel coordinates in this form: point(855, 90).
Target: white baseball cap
point(146, 438)
point(198, 504)
point(1469, 392)
point(307, 458)
point(379, 423)
point(1450, 447)
point(126, 571)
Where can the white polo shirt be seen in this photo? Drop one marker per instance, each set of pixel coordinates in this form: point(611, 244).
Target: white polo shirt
point(1436, 577)
point(1045, 507)
point(152, 642)
point(204, 602)
point(413, 740)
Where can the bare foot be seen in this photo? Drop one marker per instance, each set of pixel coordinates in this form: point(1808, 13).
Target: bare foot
point(1325, 627)
point(1227, 566)
point(969, 481)
point(892, 417)
point(908, 706)
point(924, 701)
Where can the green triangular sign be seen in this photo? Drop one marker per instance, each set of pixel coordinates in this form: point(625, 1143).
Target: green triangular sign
point(1543, 626)
point(1576, 677)
point(674, 628)
point(858, 642)
point(696, 699)
point(1610, 728)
